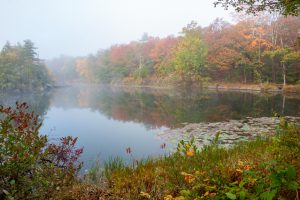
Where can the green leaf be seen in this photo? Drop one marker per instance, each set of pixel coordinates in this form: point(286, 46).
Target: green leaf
point(242, 195)
point(241, 184)
point(12, 182)
point(230, 195)
point(293, 185)
point(275, 180)
point(185, 193)
point(216, 139)
point(269, 195)
point(291, 172)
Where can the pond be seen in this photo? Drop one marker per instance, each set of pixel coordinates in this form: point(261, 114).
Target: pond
point(107, 120)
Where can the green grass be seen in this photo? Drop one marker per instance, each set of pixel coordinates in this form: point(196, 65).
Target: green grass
point(266, 168)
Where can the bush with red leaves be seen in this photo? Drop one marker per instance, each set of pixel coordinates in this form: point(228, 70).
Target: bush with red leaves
point(30, 167)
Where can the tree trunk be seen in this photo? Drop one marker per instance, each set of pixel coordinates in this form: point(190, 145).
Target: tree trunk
point(283, 105)
point(259, 49)
point(284, 74)
point(273, 71)
point(245, 77)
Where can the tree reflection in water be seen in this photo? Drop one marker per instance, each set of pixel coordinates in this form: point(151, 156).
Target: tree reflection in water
point(170, 108)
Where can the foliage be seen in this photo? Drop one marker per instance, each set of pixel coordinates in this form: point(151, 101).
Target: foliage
point(21, 69)
point(266, 168)
point(220, 52)
point(190, 54)
point(288, 59)
point(30, 167)
point(286, 7)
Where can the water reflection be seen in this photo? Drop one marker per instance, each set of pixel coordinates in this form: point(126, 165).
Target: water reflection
point(157, 108)
point(39, 102)
point(108, 120)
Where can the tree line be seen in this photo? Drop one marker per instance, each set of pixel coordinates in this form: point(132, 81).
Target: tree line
point(255, 49)
point(21, 69)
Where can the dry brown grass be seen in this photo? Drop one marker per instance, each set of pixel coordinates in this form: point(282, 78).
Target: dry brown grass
point(88, 192)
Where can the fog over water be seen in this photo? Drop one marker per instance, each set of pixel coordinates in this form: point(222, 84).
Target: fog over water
point(107, 120)
point(81, 27)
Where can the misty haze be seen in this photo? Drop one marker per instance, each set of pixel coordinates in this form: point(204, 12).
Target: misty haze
point(149, 99)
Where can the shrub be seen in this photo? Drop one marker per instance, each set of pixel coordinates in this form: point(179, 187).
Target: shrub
point(30, 167)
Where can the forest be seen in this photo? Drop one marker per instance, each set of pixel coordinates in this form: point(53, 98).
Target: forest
point(255, 49)
point(21, 69)
point(233, 162)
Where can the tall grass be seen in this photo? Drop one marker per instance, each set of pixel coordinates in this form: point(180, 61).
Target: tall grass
point(266, 168)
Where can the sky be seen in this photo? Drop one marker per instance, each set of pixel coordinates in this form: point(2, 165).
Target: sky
point(82, 27)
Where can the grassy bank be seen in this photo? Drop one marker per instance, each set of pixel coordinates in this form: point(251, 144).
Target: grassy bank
point(267, 168)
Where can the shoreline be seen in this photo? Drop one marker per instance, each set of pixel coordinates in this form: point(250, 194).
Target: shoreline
point(264, 87)
point(260, 88)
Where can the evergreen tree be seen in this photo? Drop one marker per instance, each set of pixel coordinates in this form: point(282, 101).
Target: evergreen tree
point(20, 69)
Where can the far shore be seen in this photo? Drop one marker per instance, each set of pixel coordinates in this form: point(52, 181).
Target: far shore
point(263, 87)
point(242, 87)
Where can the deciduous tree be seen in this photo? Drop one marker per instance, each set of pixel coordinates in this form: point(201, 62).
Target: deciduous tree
point(190, 54)
point(286, 7)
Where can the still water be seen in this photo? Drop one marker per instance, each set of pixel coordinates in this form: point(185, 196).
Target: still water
point(108, 120)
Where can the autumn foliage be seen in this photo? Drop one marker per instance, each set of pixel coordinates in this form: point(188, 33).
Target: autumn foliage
point(30, 166)
point(256, 49)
